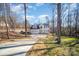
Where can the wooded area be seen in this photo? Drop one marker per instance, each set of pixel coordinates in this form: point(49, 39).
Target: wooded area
point(50, 29)
point(63, 24)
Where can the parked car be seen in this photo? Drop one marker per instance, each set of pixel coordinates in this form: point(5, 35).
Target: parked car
point(22, 32)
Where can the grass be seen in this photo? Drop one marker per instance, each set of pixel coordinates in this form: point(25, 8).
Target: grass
point(49, 48)
point(67, 38)
point(5, 41)
point(37, 49)
point(13, 38)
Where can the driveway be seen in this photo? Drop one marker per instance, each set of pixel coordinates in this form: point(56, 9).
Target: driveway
point(19, 47)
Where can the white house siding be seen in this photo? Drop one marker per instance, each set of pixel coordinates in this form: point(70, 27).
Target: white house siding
point(44, 30)
point(40, 31)
point(35, 31)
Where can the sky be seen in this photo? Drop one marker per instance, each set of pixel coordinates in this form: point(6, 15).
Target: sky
point(36, 12)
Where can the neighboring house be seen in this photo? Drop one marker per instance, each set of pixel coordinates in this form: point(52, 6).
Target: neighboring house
point(34, 29)
point(35, 26)
point(44, 28)
point(40, 28)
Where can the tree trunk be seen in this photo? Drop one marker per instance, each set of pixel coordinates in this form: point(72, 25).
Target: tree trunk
point(25, 20)
point(69, 21)
point(53, 22)
point(59, 22)
point(76, 22)
point(5, 14)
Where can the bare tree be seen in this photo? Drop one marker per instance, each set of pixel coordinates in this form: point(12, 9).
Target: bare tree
point(10, 19)
point(25, 20)
point(69, 20)
point(5, 14)
point(76, 21)
point(53, 21)
point(59, 22)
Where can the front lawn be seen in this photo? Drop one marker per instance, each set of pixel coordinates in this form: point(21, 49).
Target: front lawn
point(49, 48)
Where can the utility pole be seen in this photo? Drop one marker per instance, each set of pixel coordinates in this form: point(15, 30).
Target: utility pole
point(25, 20)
